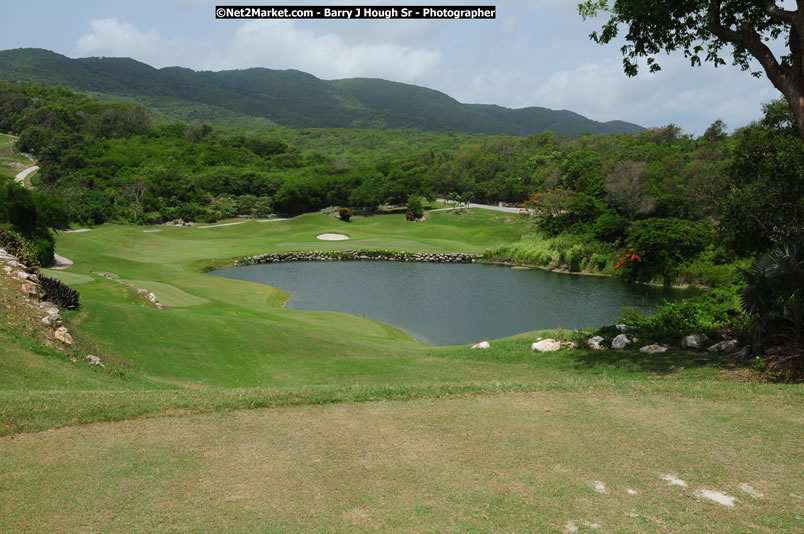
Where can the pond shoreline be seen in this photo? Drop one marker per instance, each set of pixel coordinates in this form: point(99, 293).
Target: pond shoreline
point(358, 255)
point(450, 303)
point(427, 257)
point(519, 265)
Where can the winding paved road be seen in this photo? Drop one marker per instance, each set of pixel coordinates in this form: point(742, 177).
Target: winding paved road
point(484, 206)
point(23, 174)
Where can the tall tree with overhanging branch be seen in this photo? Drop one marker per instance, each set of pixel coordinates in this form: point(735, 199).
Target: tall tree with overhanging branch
point(702, 29)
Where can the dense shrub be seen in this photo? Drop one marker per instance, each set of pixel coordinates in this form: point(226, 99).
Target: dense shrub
point(20, 247)
point(44, 249)
point(712, 312)
point(345, 214)
point(58, 293)
point(561, 210)
point(578, 252)
point(773, 296)
point(610, 227)
point(415, 208)
point(659, 245)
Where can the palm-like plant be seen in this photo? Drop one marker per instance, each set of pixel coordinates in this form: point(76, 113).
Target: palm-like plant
point(453, 198)
point(773, 296)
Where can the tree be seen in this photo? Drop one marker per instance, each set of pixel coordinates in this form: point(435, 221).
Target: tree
point(625, 186)
point(133, 193)
point(760, 200)
point(658, 245)
point(415, 208)
point(196, 131)
point(453, 198)
point(610, 227)
point(583, 172)
point(466, 198)
point(665, 134)
point(551, 203)
point(773, 296)
point(704, 30)
point(716, 131)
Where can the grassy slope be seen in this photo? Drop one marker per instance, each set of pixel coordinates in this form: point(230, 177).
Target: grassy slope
point(447, 458)
point(11, 163)
point(233, 334)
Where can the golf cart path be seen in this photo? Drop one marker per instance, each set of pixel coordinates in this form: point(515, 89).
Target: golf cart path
point(483, 206)
point(61, 262)
point(23, 174)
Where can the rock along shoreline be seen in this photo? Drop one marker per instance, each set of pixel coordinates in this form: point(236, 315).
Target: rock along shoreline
point(358, 255)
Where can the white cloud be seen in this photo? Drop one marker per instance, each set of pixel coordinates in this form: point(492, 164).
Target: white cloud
point(283, 45)
point(690, 97)
point(110, 37)
point(115, 38)
point(520, 69)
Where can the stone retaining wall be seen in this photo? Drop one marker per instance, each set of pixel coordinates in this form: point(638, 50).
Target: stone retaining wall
point(357, 255)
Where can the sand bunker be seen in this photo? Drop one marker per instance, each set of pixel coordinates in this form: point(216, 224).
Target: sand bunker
point(219, 225)
point(332, 237)
point(78, 231)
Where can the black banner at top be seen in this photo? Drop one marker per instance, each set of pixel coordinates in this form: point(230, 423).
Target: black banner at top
point(356, 12)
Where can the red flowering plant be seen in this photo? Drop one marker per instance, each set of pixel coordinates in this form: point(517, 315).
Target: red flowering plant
point(629, 258)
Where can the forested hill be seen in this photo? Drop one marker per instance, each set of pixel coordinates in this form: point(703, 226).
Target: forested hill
point(287, 98)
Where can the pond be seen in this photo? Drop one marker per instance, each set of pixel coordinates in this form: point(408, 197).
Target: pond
point(451, 304)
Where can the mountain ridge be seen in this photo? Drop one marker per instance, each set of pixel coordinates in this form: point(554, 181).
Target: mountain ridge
point(288, 98)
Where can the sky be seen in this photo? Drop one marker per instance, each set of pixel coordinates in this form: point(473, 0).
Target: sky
point(535, 53)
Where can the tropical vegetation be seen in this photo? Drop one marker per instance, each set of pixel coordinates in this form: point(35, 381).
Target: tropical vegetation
point(655, 207)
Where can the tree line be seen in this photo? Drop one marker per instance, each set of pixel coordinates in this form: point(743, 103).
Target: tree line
point(109, 162)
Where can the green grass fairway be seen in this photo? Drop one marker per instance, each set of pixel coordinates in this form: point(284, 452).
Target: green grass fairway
point(227, 412)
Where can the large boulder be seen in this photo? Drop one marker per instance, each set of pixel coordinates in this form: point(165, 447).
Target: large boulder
point(620, 342)
point(482, 345)
point(596, 343)
point(546, 345)
point(694, 341)
point(730, 345)
point(624, 328)
point(653, 349)
point(51, 321)
point(94, 360)
point(29, 289)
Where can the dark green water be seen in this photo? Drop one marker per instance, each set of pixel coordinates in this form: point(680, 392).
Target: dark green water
point(445, 304)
